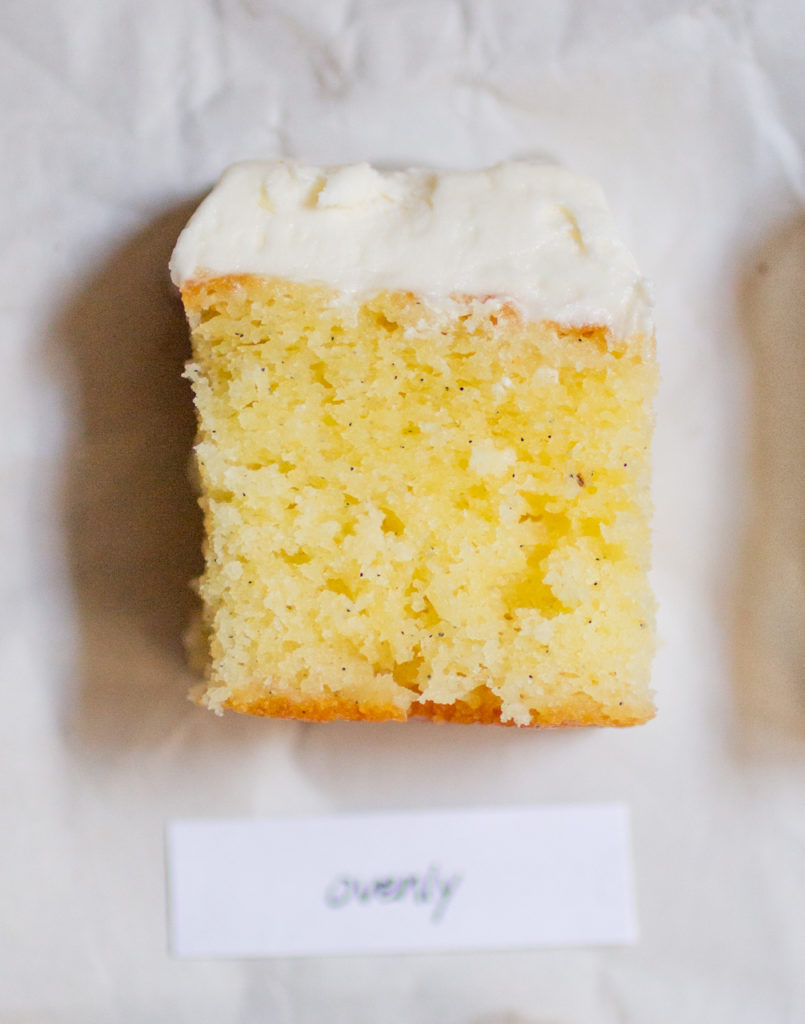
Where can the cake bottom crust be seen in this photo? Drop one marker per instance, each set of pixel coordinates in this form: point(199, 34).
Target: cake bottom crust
point(579, 711)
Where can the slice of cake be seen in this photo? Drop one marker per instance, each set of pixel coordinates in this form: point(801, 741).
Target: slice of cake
point(425, 410)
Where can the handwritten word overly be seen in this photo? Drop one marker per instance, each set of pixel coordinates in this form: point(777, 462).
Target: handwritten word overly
point(431, 889)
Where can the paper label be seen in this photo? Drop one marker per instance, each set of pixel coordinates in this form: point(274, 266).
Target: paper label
point(481, 879)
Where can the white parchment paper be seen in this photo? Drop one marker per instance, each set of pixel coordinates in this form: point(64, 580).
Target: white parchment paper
point(116, 118)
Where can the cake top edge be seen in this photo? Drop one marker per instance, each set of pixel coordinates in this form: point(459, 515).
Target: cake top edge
point(532, 233)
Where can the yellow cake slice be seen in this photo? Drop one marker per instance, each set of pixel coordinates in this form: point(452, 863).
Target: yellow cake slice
point(425, 411)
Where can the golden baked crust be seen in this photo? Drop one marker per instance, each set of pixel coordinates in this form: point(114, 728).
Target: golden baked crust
point(575, 712)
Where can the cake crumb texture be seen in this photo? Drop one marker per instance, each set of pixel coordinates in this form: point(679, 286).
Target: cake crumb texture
point(413, 512)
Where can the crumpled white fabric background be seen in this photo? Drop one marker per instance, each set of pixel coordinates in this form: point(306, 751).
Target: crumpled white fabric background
point(117, 116)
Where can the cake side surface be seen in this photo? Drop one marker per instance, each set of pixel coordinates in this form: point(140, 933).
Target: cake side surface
point(421, 509)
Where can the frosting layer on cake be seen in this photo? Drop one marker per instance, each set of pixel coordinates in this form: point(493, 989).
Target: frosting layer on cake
point(537, 235)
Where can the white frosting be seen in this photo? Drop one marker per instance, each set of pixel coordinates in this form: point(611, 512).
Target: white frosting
point(535, 234)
